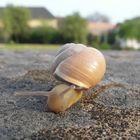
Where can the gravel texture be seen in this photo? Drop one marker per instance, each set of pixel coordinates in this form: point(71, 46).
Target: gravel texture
point(111, 110)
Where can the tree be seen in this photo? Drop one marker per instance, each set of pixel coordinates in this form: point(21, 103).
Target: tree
point(130, 29)
point(15, 21)
point(74, 29)
point(97, 17)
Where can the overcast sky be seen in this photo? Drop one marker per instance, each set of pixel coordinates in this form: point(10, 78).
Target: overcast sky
point(117, 10)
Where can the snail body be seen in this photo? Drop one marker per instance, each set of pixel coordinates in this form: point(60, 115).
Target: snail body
point(79, 68)
point(60, 97)
point(62, 100)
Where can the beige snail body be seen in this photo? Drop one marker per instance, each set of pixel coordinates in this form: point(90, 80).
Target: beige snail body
point(59, 99)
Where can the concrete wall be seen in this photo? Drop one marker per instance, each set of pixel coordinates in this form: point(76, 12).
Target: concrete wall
point(129, 43)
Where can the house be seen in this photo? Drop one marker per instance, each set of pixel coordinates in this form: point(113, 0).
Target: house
point(39, 16)
point(99, 28)
point(42, 17)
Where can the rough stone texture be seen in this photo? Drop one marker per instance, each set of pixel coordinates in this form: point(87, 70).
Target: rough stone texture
point(114, 114)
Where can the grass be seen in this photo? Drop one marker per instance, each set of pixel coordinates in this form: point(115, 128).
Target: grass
point(28, 46)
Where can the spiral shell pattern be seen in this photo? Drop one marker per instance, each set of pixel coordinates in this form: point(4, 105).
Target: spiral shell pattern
point(79, 65)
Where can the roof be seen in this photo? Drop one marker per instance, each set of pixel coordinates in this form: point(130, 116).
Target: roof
point(37, 12)
point(40, 13)
point(100, 27)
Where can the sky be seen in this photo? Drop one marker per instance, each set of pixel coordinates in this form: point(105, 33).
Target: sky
point(116, 10)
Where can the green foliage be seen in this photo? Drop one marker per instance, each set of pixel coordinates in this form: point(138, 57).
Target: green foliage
point(105, 46)
point(92, 39)
point(1, 36)
point(101, 46)
point(109, 37)
point(41, 35)
point(15, 21)
point(44, 35)
point(130, 29)
point(74, 29)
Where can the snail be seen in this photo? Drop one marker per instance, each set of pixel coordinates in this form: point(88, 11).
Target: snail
point(79, 68)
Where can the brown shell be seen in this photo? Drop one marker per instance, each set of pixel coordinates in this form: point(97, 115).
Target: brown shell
point(66, 51)
point(84, 68)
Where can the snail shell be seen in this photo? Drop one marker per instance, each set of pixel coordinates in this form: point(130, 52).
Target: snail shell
point(79, 65)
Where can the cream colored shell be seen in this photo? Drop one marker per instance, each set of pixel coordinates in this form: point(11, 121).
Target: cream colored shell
point(80, 65)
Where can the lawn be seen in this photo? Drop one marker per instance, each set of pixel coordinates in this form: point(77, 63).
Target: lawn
point(28, 46)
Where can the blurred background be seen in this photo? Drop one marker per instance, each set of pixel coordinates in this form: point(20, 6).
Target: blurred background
point(103, 24)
